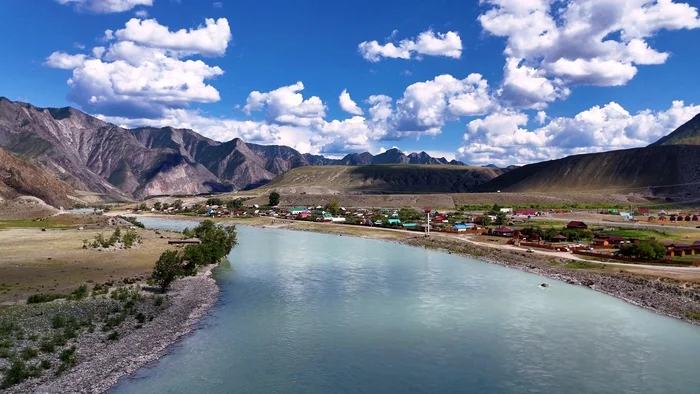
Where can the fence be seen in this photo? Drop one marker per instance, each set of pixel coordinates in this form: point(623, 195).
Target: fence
point(620, 258)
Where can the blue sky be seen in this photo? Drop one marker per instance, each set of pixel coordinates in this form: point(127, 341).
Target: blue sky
point(496, 81)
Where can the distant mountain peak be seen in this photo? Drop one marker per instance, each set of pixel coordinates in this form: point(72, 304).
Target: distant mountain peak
point(686, 134)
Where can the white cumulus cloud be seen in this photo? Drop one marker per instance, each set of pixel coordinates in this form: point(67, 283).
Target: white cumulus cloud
point(427, 43)
point(64, 60)
point(210, 39)
point(105, 6)
point(551, 45)
point(146, 77)
point(347, 104)
point(503, 137)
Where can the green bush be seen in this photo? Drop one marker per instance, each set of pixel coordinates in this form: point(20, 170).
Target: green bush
point(113, 336)
point(100, 289)
point(58, 321)
point(17, 373)
point(40, 298)
point(47, 346)
point(158, 301)
point(46, 364)
point(29, 353)
point(79, 293)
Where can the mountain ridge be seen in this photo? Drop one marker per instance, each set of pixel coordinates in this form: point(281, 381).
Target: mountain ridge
point(96, 156)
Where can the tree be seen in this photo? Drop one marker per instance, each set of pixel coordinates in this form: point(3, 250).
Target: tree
point(409, 214)
point(486, 220)
point(143, 206)
point(495, 209)
point(177, 204)
point(235, 204)
point(215, 201)
point(333, 207)
point(168, 267)
point(501, 218)
point(274, 199)
point(157, 205)
point(647, 250)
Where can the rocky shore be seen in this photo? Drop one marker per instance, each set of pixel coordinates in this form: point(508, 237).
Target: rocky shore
point(102, 364)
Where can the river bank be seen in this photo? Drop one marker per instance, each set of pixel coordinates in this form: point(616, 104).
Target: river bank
point(102, 363)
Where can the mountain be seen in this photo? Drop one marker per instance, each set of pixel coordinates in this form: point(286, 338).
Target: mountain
point(388, 178)
point(92, 155)
point(20, 178)
point(672, 170)
point(687, 134)
point(96, 156)
point(669, 167)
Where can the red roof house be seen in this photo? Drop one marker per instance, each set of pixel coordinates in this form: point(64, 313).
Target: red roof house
point(577, 225)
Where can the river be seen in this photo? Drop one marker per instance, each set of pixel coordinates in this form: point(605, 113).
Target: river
point(312, 313)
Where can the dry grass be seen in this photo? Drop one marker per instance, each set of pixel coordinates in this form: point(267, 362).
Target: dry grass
point(53, 261)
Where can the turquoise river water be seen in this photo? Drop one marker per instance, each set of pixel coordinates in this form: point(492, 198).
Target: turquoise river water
point(311, 313)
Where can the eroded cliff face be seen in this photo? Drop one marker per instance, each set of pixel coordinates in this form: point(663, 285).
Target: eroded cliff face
point(20, 178)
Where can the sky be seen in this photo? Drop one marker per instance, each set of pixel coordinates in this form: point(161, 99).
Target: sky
point(505, 82)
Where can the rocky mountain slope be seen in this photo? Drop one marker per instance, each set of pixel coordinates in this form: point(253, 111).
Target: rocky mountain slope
point(394, 178)
point(99, 157)
point(668, 168)
point(687, 134)
point(672, 171)
point(20, 178)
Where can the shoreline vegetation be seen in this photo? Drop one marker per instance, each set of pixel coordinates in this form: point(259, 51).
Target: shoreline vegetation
point(87, 340)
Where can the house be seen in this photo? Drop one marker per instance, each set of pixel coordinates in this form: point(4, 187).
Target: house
point(577, 225)
point(410, 225)
point(297, 210)
point(526, 212)
point(506, 210)
point(559, 238)
point(643, 211)
point(304, 214)
point(599, 242)
point(440, 219)
point(338, 219)
point(393, 220)
point(503, 232)
point(479, 220)
point(327, 217)
point(616, 240)
point(461, 228)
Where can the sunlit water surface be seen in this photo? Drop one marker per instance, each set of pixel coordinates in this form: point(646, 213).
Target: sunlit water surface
point(311, 313)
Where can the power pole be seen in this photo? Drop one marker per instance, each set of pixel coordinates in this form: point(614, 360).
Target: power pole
point(427, 222)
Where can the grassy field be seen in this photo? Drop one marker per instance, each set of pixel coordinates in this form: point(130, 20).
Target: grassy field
point(53, 261)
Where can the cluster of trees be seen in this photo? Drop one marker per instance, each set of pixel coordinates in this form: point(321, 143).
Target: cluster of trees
point(548, 233)
point(216, 243)
point(647, 250)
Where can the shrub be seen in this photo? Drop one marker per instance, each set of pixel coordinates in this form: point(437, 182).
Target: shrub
point(40, 298)
point(130, 238)
point(46, 364)
point(29, 353)
point(47, 346)
point(158, 301)
point(133, 220)
point(68, 355)
point(113, 336)
point(100, 289)
point(79, 293)
point(59, 339)
point(17, 373)
point(141, 318)
point(58, 321)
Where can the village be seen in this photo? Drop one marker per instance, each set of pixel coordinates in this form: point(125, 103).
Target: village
point(529, 228)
